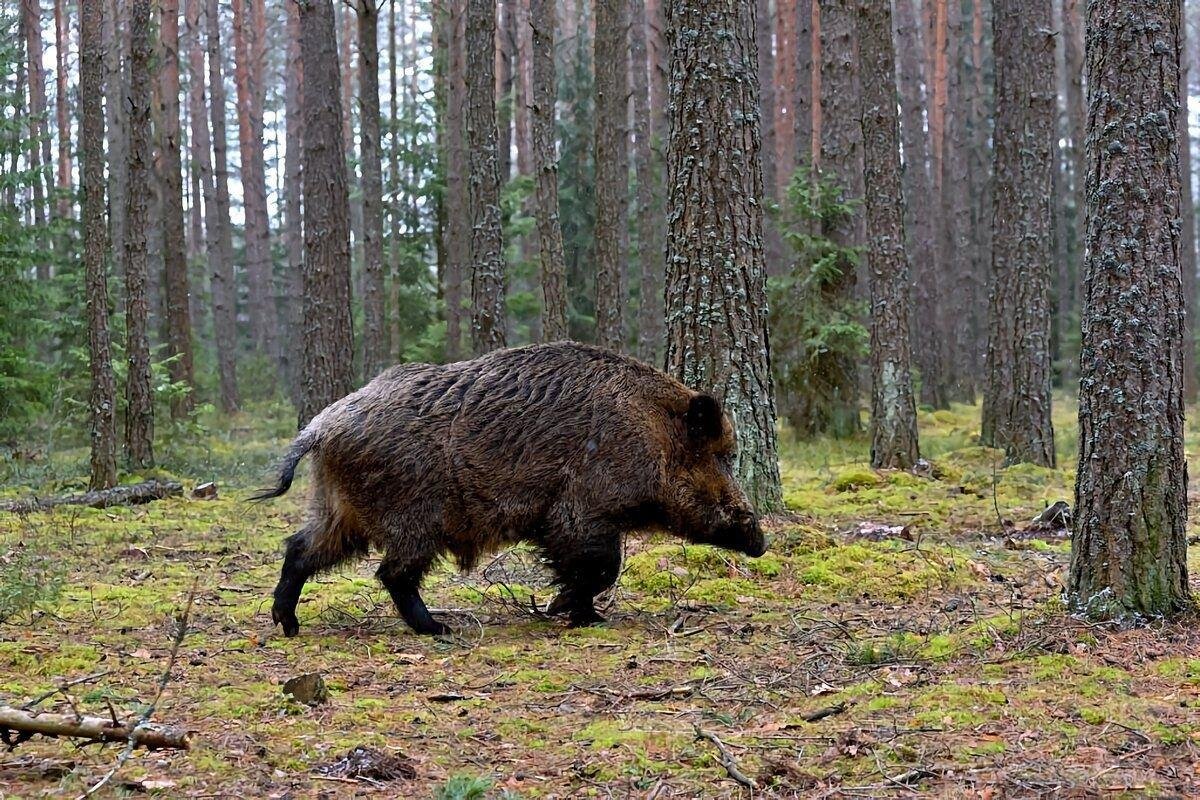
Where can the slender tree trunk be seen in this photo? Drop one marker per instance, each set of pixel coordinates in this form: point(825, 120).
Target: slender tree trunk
point(979, 187)
point(893, 411)
point(200, 147)
point(328, 332)
point(963, 352)
point(220, 252)
point(1016, 409)
point(444, 17)
point(802, 98)
point(927, 325)
point(717, 337)
point(553, 267)
point(102, 401)
point(62, 105)
point(293, 233)
point(175, 288)
point(139, 402)
point(458, 208)
point(1072, 34)
point(611, 156)
point(785, 87)
point(649, 220)
point(374, 319)
point(39, 139)
point(818, 115)
point(249, 30)
point(841, 162)
point(488, 279)
point(1187, 213)
point(116, 88)
point(1129, 543)
point(504, 86)
point(774, 180)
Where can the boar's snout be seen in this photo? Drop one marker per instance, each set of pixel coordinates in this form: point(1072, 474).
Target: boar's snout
point(743, 533)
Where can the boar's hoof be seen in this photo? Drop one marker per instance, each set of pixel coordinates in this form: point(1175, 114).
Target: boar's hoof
point(585, 618)
point(291, 625)
point(431, 628)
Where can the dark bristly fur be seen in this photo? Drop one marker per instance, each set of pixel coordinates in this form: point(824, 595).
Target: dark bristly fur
point(564, 445)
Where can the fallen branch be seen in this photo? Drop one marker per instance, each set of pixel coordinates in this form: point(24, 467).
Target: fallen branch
point(822, 713)
point(727, 760)
point(132, 495)
point(97, 729)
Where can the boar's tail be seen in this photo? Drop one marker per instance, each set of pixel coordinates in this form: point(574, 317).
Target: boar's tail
point(287, 469)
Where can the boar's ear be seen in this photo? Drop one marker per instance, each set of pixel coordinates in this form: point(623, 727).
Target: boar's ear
point(704, 418)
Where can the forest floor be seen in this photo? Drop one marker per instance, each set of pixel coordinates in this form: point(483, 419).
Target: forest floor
point(903, 636)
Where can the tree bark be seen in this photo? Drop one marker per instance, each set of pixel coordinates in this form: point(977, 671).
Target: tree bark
point(717, 337)
point(39, 139)
point(841, 163)
point(116, 88)
point(1016, 408)
point(328, 331)
point(920, 218)
point(102, 401)
point(545, 93)
point(374, 316)
point(649, 218)
point(1187, 213)
point(249, 33)
point(611, 155)
point(62, 105)
point(504, 87)
point(175, 285)
point(96, 729)
point(893, 411)
point(1072, 34)
point(785, 88)
point(458, 230)
point(802, 98)
point(220, 251)
point(293, 231)
point(1129, 543)
point(488, 279)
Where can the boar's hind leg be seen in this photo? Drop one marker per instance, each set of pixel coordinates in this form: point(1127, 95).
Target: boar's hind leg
point(300, 562)
point(402, 579)
point(585, 562)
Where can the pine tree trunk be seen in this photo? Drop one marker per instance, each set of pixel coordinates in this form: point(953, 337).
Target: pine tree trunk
point(249, 33)
point(920, 218)
point(328, 331)
point(293, 232)
point(1129, 544)
point(1072, 34)
point(611, 154)
point(220, 251)
point(716, 311)
point(175, 269)
point(841, 163)
point(774, 180)
point(504, 87)
point(374, 318)
point(545, 93)
point(785, 88)
point(802, 98)
point(488, 279)
point(458, 208)
point(979, 187)
point(649, 219)
point(39, 139)
point(102, 401)
point(1187, 213)
point(62, 104)
point(893, 411)
point(1016, 407)
point(139, 402)
point(116, 88)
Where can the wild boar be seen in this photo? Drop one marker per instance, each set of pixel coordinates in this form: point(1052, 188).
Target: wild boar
point(563, 445)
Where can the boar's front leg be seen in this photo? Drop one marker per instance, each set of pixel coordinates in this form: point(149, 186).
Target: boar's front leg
point(402, 579)
point(586, 561)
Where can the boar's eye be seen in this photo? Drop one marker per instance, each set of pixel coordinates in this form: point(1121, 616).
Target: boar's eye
point(704, 418)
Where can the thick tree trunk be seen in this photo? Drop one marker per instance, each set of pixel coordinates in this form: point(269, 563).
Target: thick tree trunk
point(611, 153)
point(249, 33)
point(175, 268)
point(62, 107)
point(293, 190)
point(893, 411)
point(102, 401)
point(927, 326)
point(328, 331)
point(649, 218)
point(374, 317)
point(220, 251)
point(841, 163)
point(139, 401)
point(545, 93)
point(488, 279)
point(1129, 543)
point(717, 337)
point(1016, 407)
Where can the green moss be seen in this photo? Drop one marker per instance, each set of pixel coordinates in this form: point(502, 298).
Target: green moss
point(852, 479)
